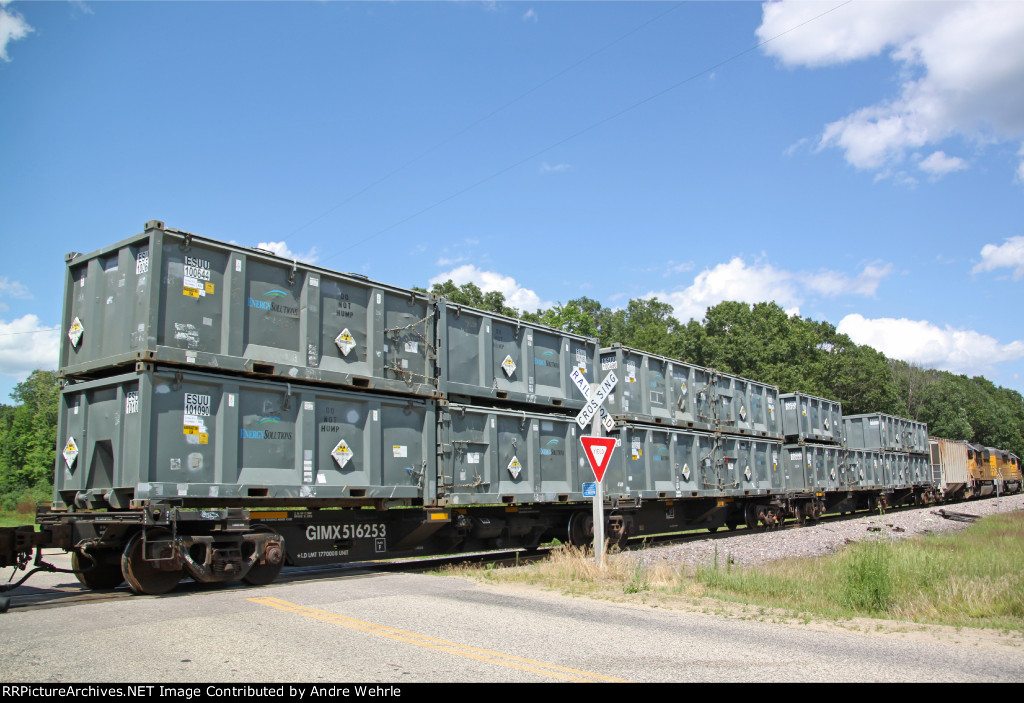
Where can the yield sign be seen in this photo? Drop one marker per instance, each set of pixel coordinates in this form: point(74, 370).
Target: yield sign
point(599, 453)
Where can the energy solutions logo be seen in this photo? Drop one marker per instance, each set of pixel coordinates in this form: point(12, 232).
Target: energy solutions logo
point(548, 358)
point(263, 429)
point(271, 301)
point(551, 449)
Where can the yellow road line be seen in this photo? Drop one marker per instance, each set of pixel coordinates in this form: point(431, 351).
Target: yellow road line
point(462, 650)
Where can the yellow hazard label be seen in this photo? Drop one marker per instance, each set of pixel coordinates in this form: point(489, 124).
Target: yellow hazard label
point(190, 429)
point(192, 292)
point(204, 438)
point(209, 287)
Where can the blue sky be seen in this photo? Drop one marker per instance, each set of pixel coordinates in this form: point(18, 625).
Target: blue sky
point(864, 165)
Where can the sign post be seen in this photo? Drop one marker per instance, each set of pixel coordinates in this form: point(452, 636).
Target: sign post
point(598, 449)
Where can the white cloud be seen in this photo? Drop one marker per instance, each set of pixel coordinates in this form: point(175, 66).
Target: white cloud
point(26, 345)
point(938, 164)
point(516, 296)
point(13, 289)
point(530, 16)
point(731, 281)
point(736, 280)
point(852, 32)
point(921, 342)
point(557, 168)
point(672, 267)
point(1010, 254)
point(833, 283)
point(282, 250)
point(12, 27)
point(961, 65)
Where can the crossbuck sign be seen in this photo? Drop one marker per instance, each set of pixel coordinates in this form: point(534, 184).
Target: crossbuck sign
point(595, 403)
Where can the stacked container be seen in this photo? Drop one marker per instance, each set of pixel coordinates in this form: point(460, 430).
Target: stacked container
point(209, 373)
point(657, 390)
point(485, 357)
point(808, 418)
point(902, 442)
point(215, 374)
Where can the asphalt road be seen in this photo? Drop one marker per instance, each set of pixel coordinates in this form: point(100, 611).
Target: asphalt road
point(401, 628)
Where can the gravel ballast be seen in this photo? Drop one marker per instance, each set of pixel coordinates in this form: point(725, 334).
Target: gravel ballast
point(826, 537)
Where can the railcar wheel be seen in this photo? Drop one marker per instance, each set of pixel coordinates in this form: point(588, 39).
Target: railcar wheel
point(581, 529)
point(750, 515)
point(617, 531)
point(732, 524)
point(143, 576)
point(713, 530)
point(95, 573)
point(801, 514)
point(262, 574)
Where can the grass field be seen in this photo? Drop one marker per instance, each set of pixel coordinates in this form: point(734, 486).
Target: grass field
point(972, 578)
point(13, 518)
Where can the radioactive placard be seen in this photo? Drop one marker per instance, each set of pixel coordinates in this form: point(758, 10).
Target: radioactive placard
point(341, 454)
point(70, 452)
point(75, 332)
point(345, 342)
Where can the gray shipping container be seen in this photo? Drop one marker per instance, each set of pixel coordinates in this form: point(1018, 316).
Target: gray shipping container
point(920, 469)
point(492, 456)
point(202, 438)
point(485, 356)
point(850, 469)
point(753, 465)
point(873, 431)
point(659, 462)
point(858, 469)
point(917, 437)
point(885, 432)
point(657, 389)
point(813, 467)
point(746, 407)
point(810, 418)
point(172, 297)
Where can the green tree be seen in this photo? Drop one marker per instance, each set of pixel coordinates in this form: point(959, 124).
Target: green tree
point(645, 324)
point(580, 316)
point(471, 295)
point(28, 434)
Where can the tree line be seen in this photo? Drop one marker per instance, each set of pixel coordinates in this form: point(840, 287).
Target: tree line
point(28, 441)
point(760, 342)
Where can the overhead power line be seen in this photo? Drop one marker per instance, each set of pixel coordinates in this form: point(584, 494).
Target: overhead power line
point(41, 329)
